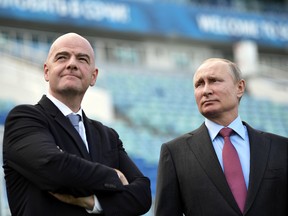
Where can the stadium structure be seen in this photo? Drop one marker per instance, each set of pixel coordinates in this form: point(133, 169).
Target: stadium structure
point(147, 52)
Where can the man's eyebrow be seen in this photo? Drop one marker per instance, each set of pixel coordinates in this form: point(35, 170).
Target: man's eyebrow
point(62, 53)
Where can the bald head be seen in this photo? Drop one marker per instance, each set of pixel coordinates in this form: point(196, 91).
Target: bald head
point(71, 40)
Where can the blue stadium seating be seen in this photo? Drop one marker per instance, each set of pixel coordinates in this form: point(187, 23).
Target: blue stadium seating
point(152, 109)
point(5, 107)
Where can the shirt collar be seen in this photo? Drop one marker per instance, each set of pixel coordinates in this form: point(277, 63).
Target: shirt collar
point(62, 107)
point(236, 125)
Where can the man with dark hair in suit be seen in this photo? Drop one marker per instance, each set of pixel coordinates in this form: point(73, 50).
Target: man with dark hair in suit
point(225, 167)
point(53, 167)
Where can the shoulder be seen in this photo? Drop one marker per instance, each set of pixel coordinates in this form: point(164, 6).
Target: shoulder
point(179, 141)
point(22, 111)
point(104, 130)
point(23, 118)
point(275, 138)
point(268, 145)
point(44, 105)
point(40, 112)
point(101, 126)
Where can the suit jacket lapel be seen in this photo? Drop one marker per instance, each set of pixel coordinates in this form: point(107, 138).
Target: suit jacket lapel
point(259, 152)
point(93, 139)
point(201, 145)
point(51, 109)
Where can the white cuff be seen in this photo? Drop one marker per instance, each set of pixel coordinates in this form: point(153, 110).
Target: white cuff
point(97, 209)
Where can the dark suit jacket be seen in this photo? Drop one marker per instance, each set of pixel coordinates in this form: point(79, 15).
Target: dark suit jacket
point(191, 180)
point(42, 152)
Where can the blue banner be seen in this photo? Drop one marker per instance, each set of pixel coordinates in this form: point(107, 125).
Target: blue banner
point(153, 19)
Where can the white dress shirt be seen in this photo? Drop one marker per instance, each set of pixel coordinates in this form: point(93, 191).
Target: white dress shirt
point(66, 111)
point(239, 139)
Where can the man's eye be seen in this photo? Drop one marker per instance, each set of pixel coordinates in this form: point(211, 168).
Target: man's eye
point(60, 57)
point(198, 84)
point(84, 60)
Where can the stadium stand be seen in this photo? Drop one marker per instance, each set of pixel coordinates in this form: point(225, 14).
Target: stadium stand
point(152, 109)
point(151, 105)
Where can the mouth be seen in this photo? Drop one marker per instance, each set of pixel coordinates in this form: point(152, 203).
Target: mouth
point(208, 102)
point(71, 76)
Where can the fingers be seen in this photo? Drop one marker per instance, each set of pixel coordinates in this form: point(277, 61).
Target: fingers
point(122, 177)
point(85, 202)
point(64, 197)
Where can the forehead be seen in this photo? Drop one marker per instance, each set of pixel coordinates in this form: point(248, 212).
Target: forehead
point(71, 43)
point(212, 69)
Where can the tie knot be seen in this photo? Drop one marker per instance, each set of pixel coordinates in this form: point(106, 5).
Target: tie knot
point(74, 119)
point(226, 132)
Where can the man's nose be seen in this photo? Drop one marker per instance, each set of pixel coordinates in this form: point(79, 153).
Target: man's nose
point(72, 63)
point(207, 90)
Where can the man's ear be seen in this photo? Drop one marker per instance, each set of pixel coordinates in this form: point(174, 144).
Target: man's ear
point(94, 77)
point(46, 73)
point(241, 88)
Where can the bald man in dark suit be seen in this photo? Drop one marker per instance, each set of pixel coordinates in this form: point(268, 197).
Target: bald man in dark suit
point(53, 169)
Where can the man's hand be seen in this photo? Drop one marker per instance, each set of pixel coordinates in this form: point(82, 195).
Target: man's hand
point(85, 202)
point(122, 177)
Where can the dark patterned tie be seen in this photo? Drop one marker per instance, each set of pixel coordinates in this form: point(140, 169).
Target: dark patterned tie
point(232, 169)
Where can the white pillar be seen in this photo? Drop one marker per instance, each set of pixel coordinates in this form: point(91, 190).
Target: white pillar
point(246, 57)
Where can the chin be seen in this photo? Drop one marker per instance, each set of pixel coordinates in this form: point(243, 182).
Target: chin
point(70, 90)
point(210, 113)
